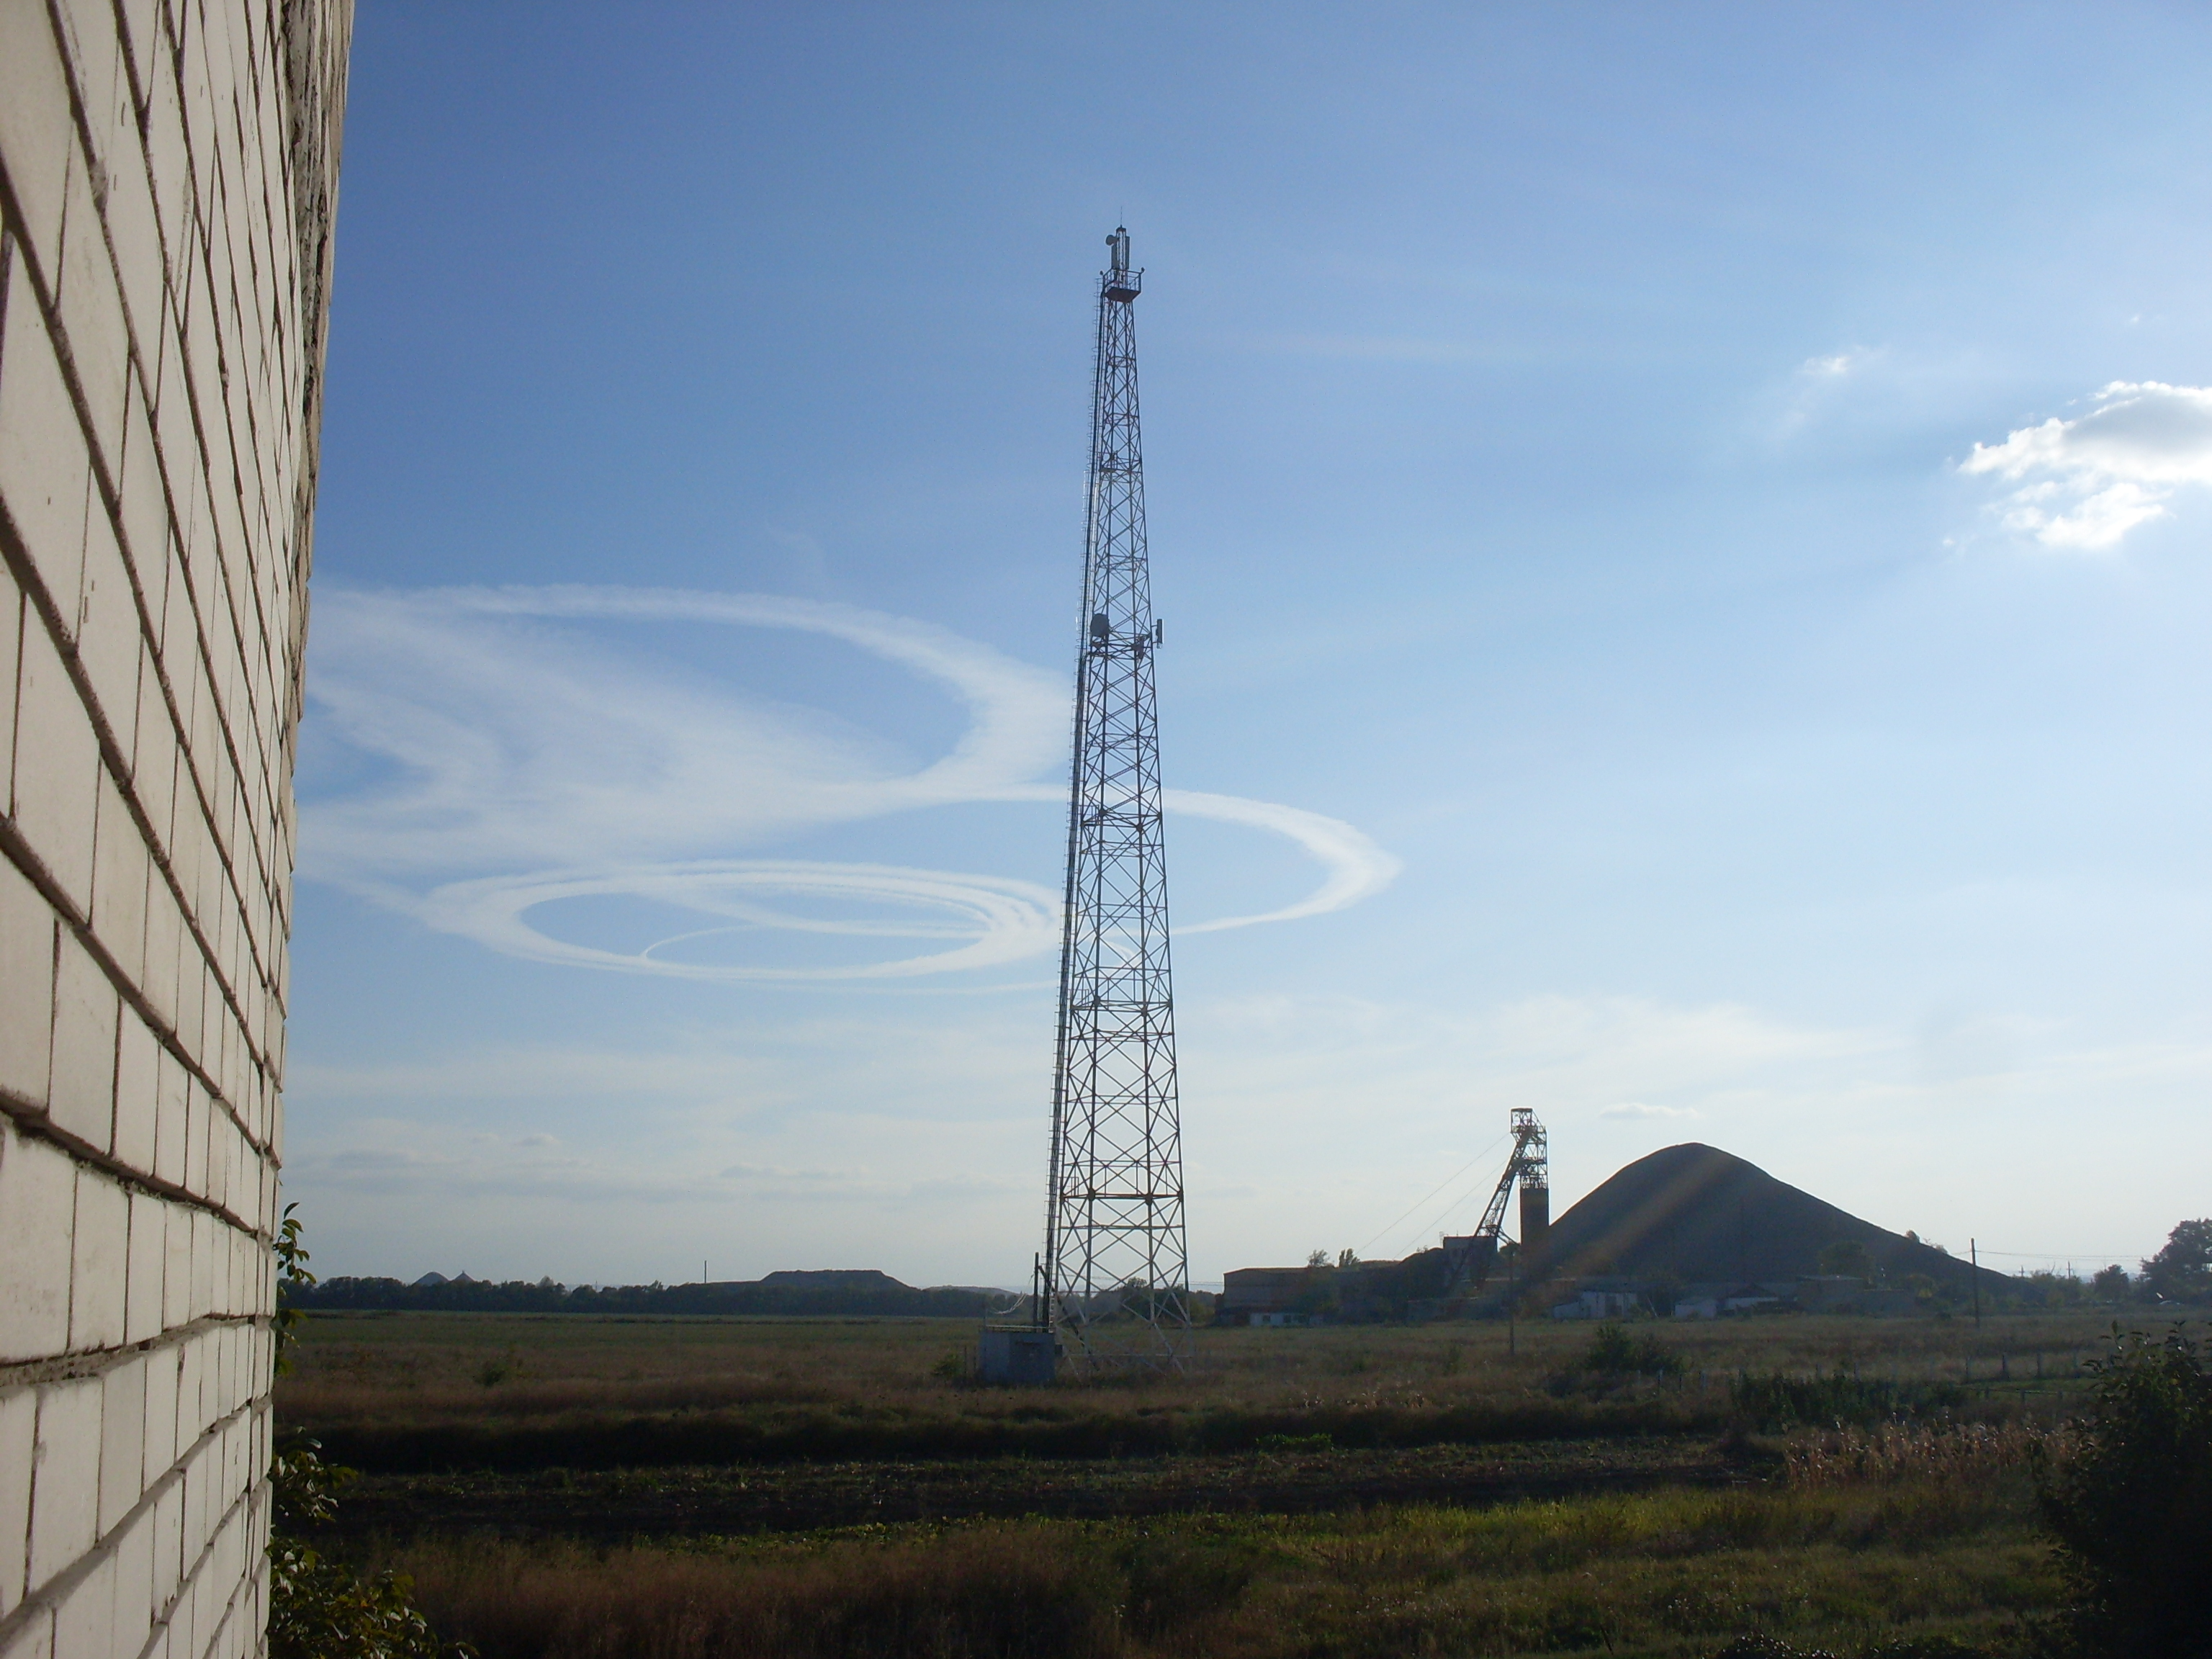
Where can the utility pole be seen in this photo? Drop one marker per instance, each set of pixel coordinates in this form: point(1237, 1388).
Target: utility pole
point(1116, 1263)
point(1974, 1260)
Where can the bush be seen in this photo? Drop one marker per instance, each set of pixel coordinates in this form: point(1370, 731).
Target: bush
point(1777, 1401)
point(2131, 1507)
point(321, 1609)
point(1613, 1352)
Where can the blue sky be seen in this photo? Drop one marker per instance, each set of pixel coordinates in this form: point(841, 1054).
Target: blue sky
point(1682, 533)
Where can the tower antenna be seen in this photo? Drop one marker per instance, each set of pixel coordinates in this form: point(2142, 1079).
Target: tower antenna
point(1117, 1266)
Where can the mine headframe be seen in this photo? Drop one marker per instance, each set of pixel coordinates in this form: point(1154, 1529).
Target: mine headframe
point(1470, 1259)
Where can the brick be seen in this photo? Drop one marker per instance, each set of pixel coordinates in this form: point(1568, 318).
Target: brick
point(134, 233)
point(45, 465)
point(163, 248)
point(165, 928)
point(222, 1136)
point(203, 1230)
point(57, 777)
point(38, 1201)
point(107, 631)
point(11, 642)
point(186, 987)
point(143, 44)
point(198, 1108)
point(37, 133)
point(34, 1638)
point(168, 1547)
point(123, 1442)
point(92, 326)
point(145, 500)
point(134, 1582)
point(154, 762)
point(120, 868)
point(168, 163)
point(176, 1266)
point(142, 1293)
point(99, 1253)
point(92, 59)
point(138, 1058)
point(191, 1365)
point(19, 1417)
point(64, 1478)
point(81, 1098)
point(171, 1119)
point(84, 1623)
point(199, 1477)
point(161, 1372)
point(27, 969)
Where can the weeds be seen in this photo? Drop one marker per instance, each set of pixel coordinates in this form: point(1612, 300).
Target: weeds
point(1777, 1402)
point(1613, 1352)
point(1840, 1569)
point(1894, 1453)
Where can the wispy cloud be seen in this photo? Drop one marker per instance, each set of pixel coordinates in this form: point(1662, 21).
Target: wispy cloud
point(2086, 482)
point(1639, 1110)
point(835, 1139)
point(519, 761)
point(996, 920)
point(1357, 866)
point(1814, 387)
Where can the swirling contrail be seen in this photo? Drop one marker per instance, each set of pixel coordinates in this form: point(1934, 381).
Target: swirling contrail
point(605, 779)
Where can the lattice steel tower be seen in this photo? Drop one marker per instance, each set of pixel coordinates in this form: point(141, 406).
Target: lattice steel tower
point(1116, 1268)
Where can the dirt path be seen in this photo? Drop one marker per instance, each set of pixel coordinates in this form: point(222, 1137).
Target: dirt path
point(797, 1496)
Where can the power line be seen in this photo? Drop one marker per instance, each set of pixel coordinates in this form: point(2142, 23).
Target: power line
point(1421, 1201)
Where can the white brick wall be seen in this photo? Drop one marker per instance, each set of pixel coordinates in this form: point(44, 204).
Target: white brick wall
point(168, 174)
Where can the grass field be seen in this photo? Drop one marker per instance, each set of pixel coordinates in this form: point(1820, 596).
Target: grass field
point(569, 1487)
point(1849, 1567)
point(426, 1392)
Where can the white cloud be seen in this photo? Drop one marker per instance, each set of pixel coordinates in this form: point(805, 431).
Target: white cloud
point(994, 919)
point(2084, 484)
point(1637, 1109)
point(1814, 389)
point(1357, 866)
point(526, 765)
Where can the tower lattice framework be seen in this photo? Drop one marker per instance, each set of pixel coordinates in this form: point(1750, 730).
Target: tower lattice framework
point(1117, 1266)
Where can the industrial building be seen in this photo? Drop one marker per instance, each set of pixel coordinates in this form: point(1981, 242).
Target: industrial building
point(1689, 1231)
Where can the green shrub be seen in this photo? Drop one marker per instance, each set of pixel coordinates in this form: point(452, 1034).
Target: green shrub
point(1777, 1401)
point(1613, 1352)
point(320, 1609)
point(1173, 1580)
point(2131, 1507)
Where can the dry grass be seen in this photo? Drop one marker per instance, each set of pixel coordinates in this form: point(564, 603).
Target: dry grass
point(993, 1590)
point(1844, 1567)
point(1893, 1453)
point(520, 1390)
point(1867, 1536)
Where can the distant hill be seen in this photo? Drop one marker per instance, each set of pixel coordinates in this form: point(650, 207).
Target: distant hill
point(1694, 1212)
point(852, 1292)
